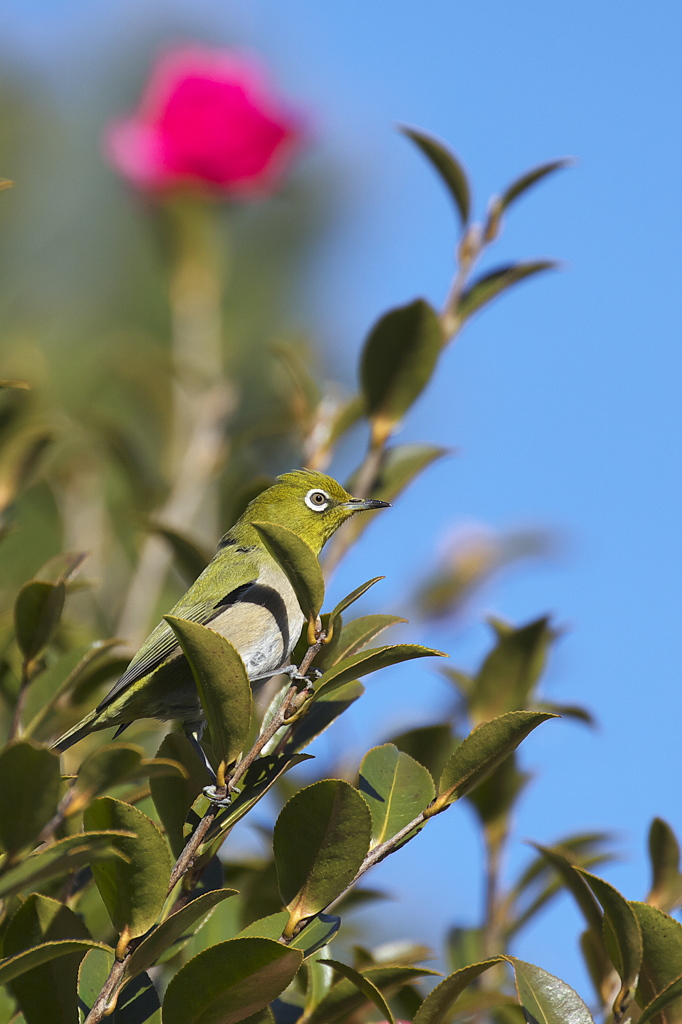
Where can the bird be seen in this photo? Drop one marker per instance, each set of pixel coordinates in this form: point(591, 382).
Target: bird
point(243, 594)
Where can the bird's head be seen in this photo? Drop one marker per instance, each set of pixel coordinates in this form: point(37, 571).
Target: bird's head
point(310, 504)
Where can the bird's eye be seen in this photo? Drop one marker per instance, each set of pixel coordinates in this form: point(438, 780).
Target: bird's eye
point(317, 500)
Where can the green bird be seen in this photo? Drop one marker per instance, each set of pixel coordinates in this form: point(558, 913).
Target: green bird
point(243, 594)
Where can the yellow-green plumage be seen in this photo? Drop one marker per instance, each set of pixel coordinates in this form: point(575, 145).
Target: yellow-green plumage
point(242, 594)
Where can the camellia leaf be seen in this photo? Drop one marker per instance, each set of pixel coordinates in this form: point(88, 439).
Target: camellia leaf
point(483, 750)
point(347, 601)
point(397, 789)
point(230, 981)
point(397, 362)
point(222, 682)
point(301, 565)
point(318, 931)
point(46, 994)
point(173, 795)
point(576, 883)
point(448, 167)
point(436, 1005)
point(14, 966)
point(622, 937)
point(63, 858)
point(187, 920)
point(664, 854)
point(344, 998)
point(37, 611)
point(133, 892)
point(351, 637)
point(364, 985)
point(136, 1003)
point(661, 959)
point(431, 745)
point(29, 793)
point(662, 1001)
point(509, 672)
point(490, 285)
point(318, 715)
point(530, 178)
point(112, 765)
point(371, 661)
point(548, 999)
point(320, 840)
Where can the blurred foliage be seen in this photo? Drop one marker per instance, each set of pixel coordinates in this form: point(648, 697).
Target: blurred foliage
point(150, 388)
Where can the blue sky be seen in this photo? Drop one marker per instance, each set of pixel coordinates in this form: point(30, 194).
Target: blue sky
point(563, 399)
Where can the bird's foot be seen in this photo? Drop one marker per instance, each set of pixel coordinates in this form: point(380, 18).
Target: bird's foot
point(295, 676)
point(216, 795)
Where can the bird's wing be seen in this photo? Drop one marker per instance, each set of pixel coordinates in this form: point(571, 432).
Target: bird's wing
point(162, 641)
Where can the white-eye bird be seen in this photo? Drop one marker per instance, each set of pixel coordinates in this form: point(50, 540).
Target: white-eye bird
point(243, 594)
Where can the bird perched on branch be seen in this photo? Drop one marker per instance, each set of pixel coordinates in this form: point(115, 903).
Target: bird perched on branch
point(243, 594)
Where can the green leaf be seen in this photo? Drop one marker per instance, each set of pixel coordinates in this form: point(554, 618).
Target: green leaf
point(37, 611)
point(29, 793)
point(317, 716)
point(482, 750)
point(486, 288)
point(530, 178)
point(137, 1003)
point(348, 600)
point(62, 858)
point(316, 933)
point(112, 765)
point(14, 966)
point(300, 563)
point(21, 459)
point(661, 958)
point(431, 745)
point(134, 892)
point(510, 671)
point(190, 557)
point(371, 661)
point(351, 637)
point(397, 362)
point(548, 999)
point(63, 568)
point(437, 1004)
point(320, 840)
point(664, 854)
point(47, 993)
point(344, 998)
point(222, 683)
point(448, 167)
point(364, 985)
point(577, 886)
point(173, 795)
point(622, 936)
point(396, 787)
point(185, 921)
point(665, 997)
point(230, 981)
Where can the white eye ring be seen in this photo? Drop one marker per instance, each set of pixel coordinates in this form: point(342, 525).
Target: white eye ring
point(317, 506)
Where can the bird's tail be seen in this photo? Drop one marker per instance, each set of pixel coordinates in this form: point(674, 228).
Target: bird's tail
point(83, 728)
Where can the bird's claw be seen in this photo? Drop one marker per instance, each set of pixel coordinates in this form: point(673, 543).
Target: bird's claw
point(295, 676)
point(211, 793)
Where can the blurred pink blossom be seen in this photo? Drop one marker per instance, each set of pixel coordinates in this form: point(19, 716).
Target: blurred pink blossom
point(206, 118)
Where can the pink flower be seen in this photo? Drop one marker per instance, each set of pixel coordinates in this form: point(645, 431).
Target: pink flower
point(208, 119)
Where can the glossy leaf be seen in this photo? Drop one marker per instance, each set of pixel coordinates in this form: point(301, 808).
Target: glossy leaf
point(344, 998)
point(396, 787)
point(577, 885)
point(661, 958)
point(530, 178)
point(299, 562)
point(112, 765)
point(320, 840)
point(371, 661)
point(664, 854)
point(437, 1004)
point(397, 362)
point(364, 985)
point(190, 558)
point(29, 793)
point(671, 993)
point(622, 936)
point(187, 920)
point(350, 638)
point(431, 745)
point(223, 685)
point(173, 795)
point(490, 285)
point(350, 599)
point(546, 998)
point(510, 671)
point(137, 1002)
point(14, 966)
point(483, 750)
point(133, 892)
point(318, 932)
point(62, 858)
point(448, 167)
point(37, 611)
point(230, 981)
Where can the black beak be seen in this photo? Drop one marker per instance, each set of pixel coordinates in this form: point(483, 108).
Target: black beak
point(364, 504)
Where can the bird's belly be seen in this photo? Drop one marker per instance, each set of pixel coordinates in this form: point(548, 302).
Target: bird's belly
point(263, 627)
